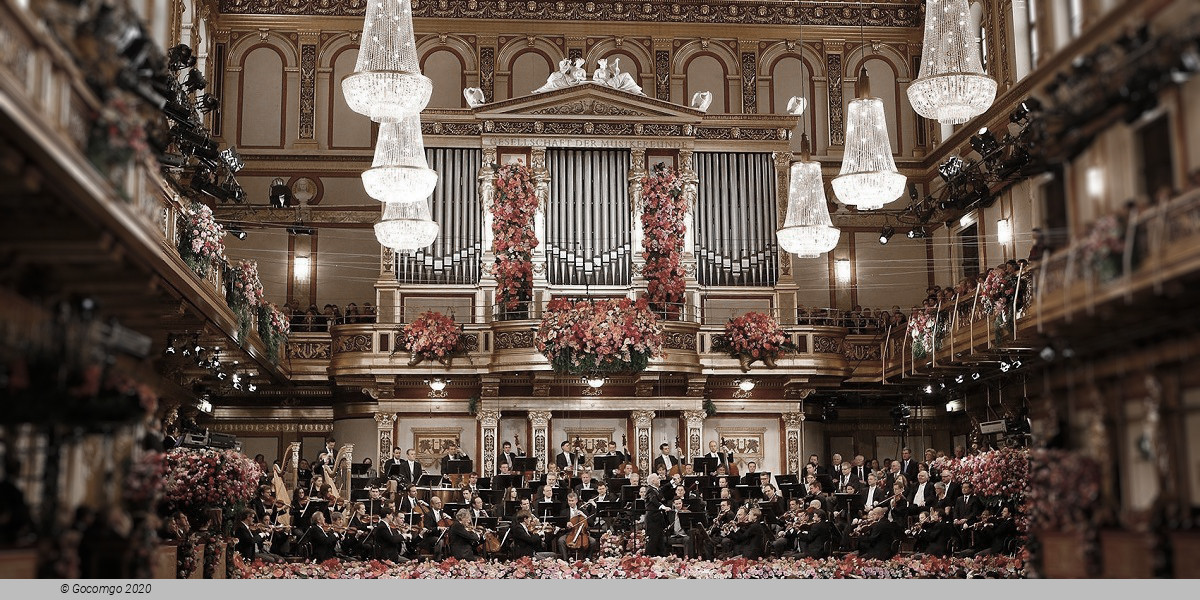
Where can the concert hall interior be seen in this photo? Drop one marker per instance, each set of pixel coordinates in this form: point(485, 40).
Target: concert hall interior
point(603, 289)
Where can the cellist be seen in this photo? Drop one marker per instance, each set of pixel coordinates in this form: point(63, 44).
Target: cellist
point(576, 536)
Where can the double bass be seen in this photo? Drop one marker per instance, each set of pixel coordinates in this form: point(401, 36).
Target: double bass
point(677, 468)
point(733, 470)
point(625, 454)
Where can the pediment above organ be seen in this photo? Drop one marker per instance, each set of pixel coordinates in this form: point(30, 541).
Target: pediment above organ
point(596, 102)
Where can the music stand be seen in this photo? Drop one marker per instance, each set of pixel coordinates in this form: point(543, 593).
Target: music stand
point(704, 464)
point(484, 483)
point(452, 508)
point(456, 466)
point(616, 483)
point(544, 510)
point(843, 501)
point(511, 507)
point(414, 518)
point(501, 482)
point(585, 495)
point(559, 494)
point(629, 493)
point(788, 479)
point(826, 483)
point(690, 520)
point(523, 464)
point(487, 522)
point(746, 492)
point(429, 480)
point(792, 490)
point(712, 506)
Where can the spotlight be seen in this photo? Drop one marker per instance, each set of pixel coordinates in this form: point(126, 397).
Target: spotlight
point(1016, 364)
point(237, 232)
point(1068, 353)
point(912, 192)
point(207, 103)
point(252, 388)
point(954, 406)
point(281, 194)
point(1004, 366)
point(917, 232)
point(886, 234)
point(594, 381)
point(300, 230)
point(975, 376)
point(195, 81)
point(951, 168)
point(236, 378)
point(984, 142)
point(437, 384)
point(929, 389)
point(959, 379)
point(204, 405)
point(221, 376)
point(745, 384)
point(232, 160)
point(169, 350)
point(180, 57)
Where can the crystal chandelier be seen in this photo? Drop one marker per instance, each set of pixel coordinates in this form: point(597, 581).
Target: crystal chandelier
point(952, 86)
point(387, 83)
point(400, 171)
point(406, 226)
point(868, 178)
point(807, 232)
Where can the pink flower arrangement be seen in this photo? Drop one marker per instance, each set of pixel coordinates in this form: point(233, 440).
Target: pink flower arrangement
point(246, 288)
point(925, 332)
point(1064, 491)
point(513, 239)
point(997, 293)
point(118, 133)
point(198, 479)
point(756, 336)
point(649, 567)
point(200, 238)
point(1104, 247)
point(273, 328)
point(144, 482)
point(431, 336)
point(617, 335)
point(664, 208)
point(1003, 473)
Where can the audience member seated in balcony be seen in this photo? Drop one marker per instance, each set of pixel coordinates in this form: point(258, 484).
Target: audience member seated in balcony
point(352, 314)
point(333, 316)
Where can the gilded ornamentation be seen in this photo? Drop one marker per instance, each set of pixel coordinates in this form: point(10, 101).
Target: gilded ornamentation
point(695, 387)
point(359, 342)
point(513, 340)
point(488, 417)
point(679, 340)
point(797, 393)
point(308, 90)
point(792, 420)
point(833, 71)
point(306, 350)
point(741, 394)
point(749, 82)
point(724, 12)
point(662, 75)
point(467, 342)
point(642, 418)
point(586, 106)
point(591, 391)
point(824, 344)
point(861, 352)
point(487, 71)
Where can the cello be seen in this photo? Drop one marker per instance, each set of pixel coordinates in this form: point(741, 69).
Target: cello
point(577, 537)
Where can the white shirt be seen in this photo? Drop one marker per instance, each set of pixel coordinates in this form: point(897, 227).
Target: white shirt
point(919, 498)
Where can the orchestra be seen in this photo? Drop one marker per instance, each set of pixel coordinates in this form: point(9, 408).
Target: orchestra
point(690, 510)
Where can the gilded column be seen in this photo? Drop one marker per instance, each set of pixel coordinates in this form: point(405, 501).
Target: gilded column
point(637, 170)
point(307, 126)
point(695, 432)
point(643, 421)
point(489, 424)
point(386, 424)
point(687, 173)
point(541, 180)
point(793, 423)
point(487, 192)
point(539, 420)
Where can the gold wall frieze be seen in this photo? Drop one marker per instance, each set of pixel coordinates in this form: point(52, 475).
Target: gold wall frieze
point(714, 12)
point(233, 413)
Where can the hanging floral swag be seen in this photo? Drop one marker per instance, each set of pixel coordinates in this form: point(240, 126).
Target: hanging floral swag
point(431, 336)
point(1104, 248)
point(513, 238)
point(664, 208)
point(603, 336)
point(273, 328)
point(203, 479)
point(245, 294)
point(997, 297)
point(117, 137)
point(756, 336)
point(200, 238)
point(926, 333)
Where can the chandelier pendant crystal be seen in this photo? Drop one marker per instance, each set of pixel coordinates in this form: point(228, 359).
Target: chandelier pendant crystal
point(400, 172)
point(952, 86)
point(807, 231)
point(406, 226)
point(869, 178)
point(387, 84)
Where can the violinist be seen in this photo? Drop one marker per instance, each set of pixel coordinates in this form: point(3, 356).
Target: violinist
point(793, 520)
point(250, 539)
point(434, 524)
point(898, 506)
point(463, 537)
point(524, 541)
point(875, 535)
point(322, 538)
point(814, 537)
point(750, 537)
point(388, 538)
point(676, 533)
point(409, 502)
point(772, 499)
point(524, 507)
point(931, 534)
point(262, 502)
point(873, 496)
point(577, 525)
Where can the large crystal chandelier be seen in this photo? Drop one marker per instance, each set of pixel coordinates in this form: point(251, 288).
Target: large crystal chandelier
point(952, 86)
point(406, 226)
point(400, 171)
point(387, 83)
point(868, 178)
point(807, 232)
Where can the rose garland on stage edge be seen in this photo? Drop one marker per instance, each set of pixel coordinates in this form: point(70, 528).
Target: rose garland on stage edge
point(604, 336)
point(513, 238)
point(663, 212)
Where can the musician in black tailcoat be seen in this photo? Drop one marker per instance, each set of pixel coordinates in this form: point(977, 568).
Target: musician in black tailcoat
point(749, 539)
point(724, 458)
point(813, 537)
point(568, 460)
point(462, 538)
point(393, 463)
point(323, 541)
point(387, 539)
point(524, 543)
point(876, 542)
point(934, 536)
point(453, 453)
point(507, 456)
point(655, 519)
point(247, 541)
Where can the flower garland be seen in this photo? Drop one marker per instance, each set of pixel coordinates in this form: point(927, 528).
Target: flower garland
point(513, 238)
point(998, 473)
point(663, 227)
point(605, 336)
point(1064, 490)
point(756, 336)
point(926, 334)
point(273, 328)
point(118, 135)
point(648, 567)
point(200, 238)
point(185, 558)
point(199, 479)
point(996, 297)
point(144, 482)
point(431, 336)
point(245, 294)
point(1104, 247)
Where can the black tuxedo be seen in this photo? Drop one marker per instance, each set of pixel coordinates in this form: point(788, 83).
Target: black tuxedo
point(462, 542)
point(872, 497)
point(386, 467)
point(247, 541)
point(563, 460)
point(523, 542)
point(507, 458)
point(934, 538)
point(411, 472)
point(387, 542)
point(860, 472)
point(929, 494)
point(819, 469)
point(590, 485)
point(877, 542)
point(655, 522)
point(890, 479)
point(910, 469)
point(749, 540)
point(847, 479)
point(953, 491)
point(662, 461)
point(968, 507)
point(813, 538)
point(322, 543)
point(724, 459)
